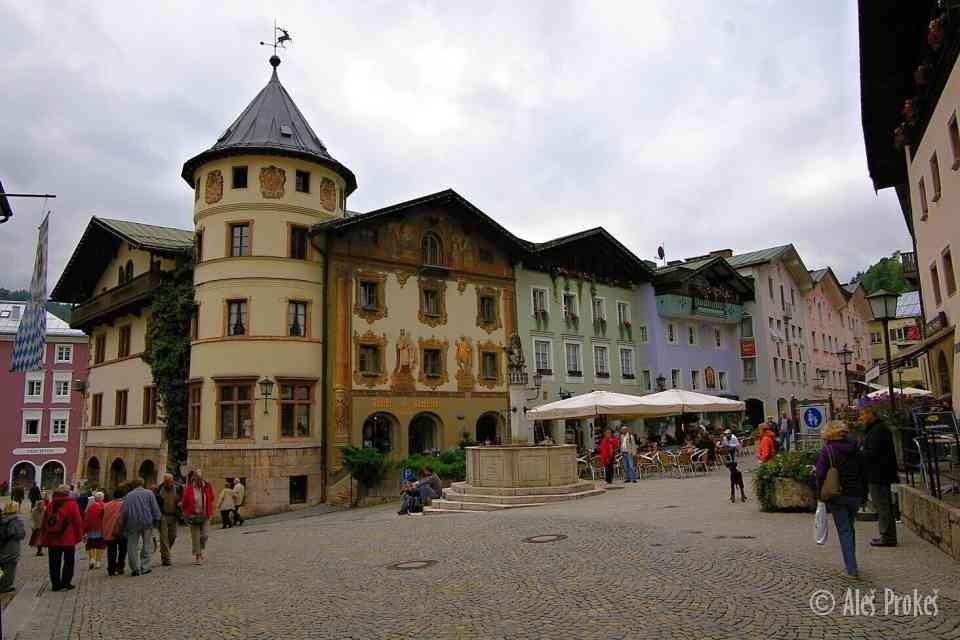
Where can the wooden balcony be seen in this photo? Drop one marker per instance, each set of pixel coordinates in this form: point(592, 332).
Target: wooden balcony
point(129, 297)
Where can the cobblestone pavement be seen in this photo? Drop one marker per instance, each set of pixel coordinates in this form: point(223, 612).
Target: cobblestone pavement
point(661, 558)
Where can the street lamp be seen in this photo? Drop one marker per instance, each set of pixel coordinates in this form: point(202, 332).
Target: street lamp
point(883, 304)
point(266, 390)
point(845, 354)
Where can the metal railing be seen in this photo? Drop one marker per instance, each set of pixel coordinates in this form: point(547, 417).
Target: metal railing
point(909, 262)
point(930, 449)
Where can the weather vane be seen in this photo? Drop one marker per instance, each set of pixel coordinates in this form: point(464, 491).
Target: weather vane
point(280, 39)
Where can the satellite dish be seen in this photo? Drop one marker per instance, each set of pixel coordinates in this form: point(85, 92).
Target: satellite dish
point(660, 252)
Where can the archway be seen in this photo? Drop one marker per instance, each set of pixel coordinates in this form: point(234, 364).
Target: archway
point(943, 374)
point(148, 471)
point(52, 474)
point(378, 432)
point(93, 471)
point(118, 473)
point(423, 433)
point(755, 411)
point(23, 474)
point(488, 428)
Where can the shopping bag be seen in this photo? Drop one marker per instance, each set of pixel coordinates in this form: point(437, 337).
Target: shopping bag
point(820, 523)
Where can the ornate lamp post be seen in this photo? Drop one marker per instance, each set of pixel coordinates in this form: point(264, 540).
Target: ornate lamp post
point(883, 304)
point(845, 354)
point(266, 390)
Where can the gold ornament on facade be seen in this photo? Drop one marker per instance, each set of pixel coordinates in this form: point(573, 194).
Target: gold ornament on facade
point(488, 324)
point(214, 189)
point(464, 250)
point(404, 240)
point(461, 284)
point(378, 311)
point(328, 194)
point(341, 414)
point(433, 381)
point(438, 316)
point(368, 379)
point(402, 277)
point(710, 377)
point(273, 182)
point(402, 379)
point(465, 378)
point(496, 349)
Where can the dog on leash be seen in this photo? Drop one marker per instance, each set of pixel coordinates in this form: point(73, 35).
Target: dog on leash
point(736, 480)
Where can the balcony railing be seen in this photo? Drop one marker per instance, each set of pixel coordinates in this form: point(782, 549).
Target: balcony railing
point(116, 300)
point(909, 263)
point(788, 310)
point(679, 306)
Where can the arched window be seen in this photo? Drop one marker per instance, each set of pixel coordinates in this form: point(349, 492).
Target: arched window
point(148, 472)
point(118, 473)
point(423, 433)
point(378, 432)
point(93, 471)
point(52, 474)
point(432, 250)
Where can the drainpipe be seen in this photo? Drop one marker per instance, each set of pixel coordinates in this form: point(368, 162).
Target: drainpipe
point(325, 281)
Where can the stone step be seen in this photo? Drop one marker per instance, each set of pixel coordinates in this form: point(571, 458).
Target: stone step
point(507, 500)
point(437, 510)
point(464, 488)
point(470, 502)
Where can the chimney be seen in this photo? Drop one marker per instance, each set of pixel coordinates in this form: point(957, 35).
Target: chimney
point(722, 253)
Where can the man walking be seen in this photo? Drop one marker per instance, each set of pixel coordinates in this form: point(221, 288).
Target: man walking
point(168, 499)
point(784, 432)
point(880, 460)
point(140, 514)
point(239, 495)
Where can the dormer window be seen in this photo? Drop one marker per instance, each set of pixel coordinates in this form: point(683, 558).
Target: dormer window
point(432, 250)
point(286, 131)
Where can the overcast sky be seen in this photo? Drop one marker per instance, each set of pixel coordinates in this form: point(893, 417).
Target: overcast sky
point(700, 125)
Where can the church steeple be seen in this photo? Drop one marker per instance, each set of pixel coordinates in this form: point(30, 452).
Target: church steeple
point(271, 124)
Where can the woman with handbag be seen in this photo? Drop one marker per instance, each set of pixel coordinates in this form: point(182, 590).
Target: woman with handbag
point(61, 532)
point(197, 507)
point(842, 485)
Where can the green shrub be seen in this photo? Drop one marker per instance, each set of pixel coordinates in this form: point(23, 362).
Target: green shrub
point(797, 465)
point(450, 464)
point(366, 464)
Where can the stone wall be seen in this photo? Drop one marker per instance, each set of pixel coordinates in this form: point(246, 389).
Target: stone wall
point(267, 473)
point(131, 457)
point(931, 519)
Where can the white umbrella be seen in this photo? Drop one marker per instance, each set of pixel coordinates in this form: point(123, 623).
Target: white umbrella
point(677, 401)
point(587, 405)
point(665, 403)
point(906, 391)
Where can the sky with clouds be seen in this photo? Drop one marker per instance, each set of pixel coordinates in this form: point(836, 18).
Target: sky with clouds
point(698, 125)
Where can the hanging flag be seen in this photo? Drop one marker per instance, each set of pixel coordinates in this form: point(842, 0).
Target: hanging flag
point(31, 342)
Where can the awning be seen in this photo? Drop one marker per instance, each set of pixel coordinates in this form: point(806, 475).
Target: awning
point(665, 403)
point(916, 350)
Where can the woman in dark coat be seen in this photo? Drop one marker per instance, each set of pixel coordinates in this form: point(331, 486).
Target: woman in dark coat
point(842, 453)
point(11, 534)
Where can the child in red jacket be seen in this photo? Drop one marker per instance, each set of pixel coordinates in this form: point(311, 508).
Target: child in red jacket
point(61, 532)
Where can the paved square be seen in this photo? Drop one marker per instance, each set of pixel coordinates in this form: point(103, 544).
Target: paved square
point(628, 567)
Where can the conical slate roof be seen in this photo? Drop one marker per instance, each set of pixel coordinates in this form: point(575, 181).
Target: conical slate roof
point(270, 124)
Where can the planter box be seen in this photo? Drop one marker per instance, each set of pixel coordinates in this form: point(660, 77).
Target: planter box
point(933, 520)
point(789, 494)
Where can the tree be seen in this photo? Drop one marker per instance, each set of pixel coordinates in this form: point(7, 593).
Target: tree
point(58, 309)
point(887, 274)
point(168, 354)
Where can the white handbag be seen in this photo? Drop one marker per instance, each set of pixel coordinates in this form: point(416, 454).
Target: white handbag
point(820, 529)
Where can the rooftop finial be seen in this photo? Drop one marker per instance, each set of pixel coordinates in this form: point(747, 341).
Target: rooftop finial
point(280, 39)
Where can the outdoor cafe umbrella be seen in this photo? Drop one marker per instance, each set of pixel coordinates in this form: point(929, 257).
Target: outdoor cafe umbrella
point(665, 403)
point(905, 391)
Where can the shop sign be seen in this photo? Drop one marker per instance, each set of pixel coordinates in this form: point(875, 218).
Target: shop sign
point(748, 348)
point(406, 404)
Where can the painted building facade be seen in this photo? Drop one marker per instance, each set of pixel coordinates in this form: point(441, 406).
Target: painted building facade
point(41, 412)
point(906, 332)
point(420, 304)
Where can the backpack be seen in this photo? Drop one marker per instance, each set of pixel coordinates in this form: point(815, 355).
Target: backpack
point(57, 522)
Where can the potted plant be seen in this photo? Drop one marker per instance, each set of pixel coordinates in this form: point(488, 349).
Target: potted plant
point(787, 482)
point(366, 464)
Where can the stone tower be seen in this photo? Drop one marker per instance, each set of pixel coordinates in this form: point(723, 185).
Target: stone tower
point(259, 301)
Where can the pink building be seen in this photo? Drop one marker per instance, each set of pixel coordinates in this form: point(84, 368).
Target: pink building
point(40, 412)
point(837, 318)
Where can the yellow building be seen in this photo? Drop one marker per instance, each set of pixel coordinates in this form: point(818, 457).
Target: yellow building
point(906, 332)
point(112, 275)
